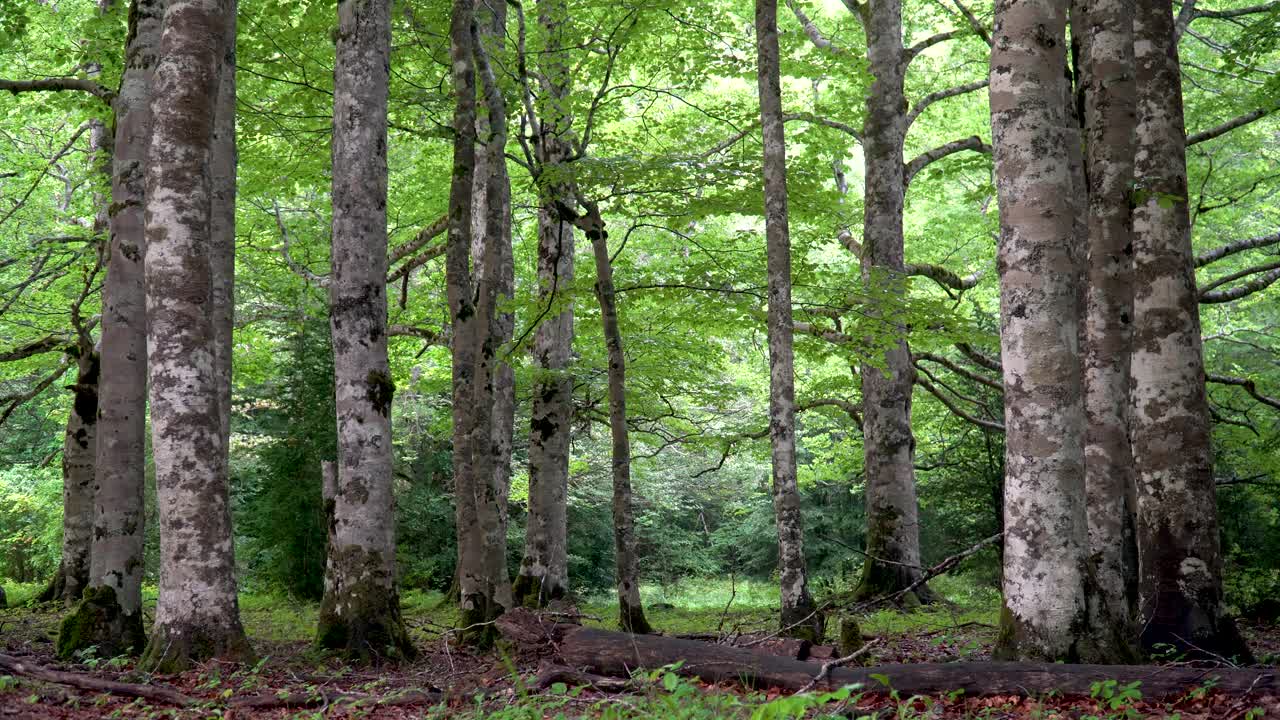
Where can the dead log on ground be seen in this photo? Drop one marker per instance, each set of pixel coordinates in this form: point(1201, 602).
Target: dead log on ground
point(617, 654)
point(153, 692)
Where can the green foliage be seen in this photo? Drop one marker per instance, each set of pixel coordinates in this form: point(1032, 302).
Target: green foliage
point(281, 518)
point(30, 524)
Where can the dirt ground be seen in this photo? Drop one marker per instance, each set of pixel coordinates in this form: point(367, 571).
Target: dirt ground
point(496, 684)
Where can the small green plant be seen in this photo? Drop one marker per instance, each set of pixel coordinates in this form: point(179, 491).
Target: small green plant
point(1119, 699)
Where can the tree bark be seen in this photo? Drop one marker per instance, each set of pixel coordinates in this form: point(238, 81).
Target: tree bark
point(1105, 34)
point(491, 225)
point(626, 561)
point(79, 451)
point(1039, 262)
point(360, 609)
point(544, 571)
point(222, 251)
point(799, 616)
point(1180, 585)
point(480, 575)
point(118, 518)
point(893, 516)
point(620, 654)
point(197, 614)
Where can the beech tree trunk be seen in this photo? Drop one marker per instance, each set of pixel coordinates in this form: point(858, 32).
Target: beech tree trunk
point(544, 571)
point(197, 614)
point(481, 573)
point(893, 516)
point(360, 609)
point(626, 562)
point(1105, 37)
point(222, 253)
point(79, 452)
point(491, 177)
point(1046, 532)
point(115, 569)
point(1180, 587)
point(799, 615)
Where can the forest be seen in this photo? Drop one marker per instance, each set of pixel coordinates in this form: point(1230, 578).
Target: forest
point(524, 359)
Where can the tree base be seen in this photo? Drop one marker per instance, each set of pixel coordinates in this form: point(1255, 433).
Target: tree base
point(365, 637)
point(99, 621)
point(632, 620)
point(535, 593)
point(881, 580)
point(177, 647)
point(56, 588)
point(803, 623)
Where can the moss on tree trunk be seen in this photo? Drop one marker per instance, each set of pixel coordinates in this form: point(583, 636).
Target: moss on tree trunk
point(99, 621)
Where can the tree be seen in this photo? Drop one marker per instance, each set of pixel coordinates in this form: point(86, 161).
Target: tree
point(1104, 34)
point(544, 571)
point(360, 610)
point(197, 613)
point(482, 573)
point(1045, 605)
point(799, 615)
point(1180, 562)
point(116, 556)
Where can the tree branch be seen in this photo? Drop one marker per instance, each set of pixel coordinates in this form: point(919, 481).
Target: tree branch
point(923, 160)
point(1218, 253)
point(424, 236)
point(923, 103)
point(811, 30)
point(955, 409)
point(1228, 126)
point(961, 370)
point(943, 276)
point(298, 269)
point(1248, 386)
point(46, 344)
point(1266, 276)
point(979, 357)
point(58, 84)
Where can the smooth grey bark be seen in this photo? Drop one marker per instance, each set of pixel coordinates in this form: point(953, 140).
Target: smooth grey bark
point(544, 571)
point(1180, 583)
point(197, 613)
point(799, 616)
point(79, 452)
point(360, 608)
point(1046, 532)
point(491, 177)
point(1105, 37)
point(481, 573)
point(626, 561)
point(892, 510)
point(115, 568)
point(222, 252)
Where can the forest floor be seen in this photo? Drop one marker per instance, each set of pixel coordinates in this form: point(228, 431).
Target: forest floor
point(496, 685)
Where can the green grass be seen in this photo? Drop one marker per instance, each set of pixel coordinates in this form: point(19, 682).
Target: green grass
point(19, 594)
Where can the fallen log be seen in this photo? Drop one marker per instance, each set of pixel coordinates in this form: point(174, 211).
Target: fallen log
point(325, 698)
point(153, 692)
point(616, 654)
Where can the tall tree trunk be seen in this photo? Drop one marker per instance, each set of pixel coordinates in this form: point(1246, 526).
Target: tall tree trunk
point(481, 573)
point(222, 253)
point(799, 616)
point(491, 177)
point(360, 609)
point(1105, 38)
point(1180, 588)
point(115, 569)
point(1046, 531)
point(893, 516)
point(626, 562)
point(197, 614)
point(79, 452)
point(544, 571)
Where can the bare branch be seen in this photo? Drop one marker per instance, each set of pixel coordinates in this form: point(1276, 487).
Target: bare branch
point(943, 276)
point(418, 261)
point(932, 40)
point(58, 84)
point(923, 103)
point(1266, 275)
point(977, 27)
point(789, 117)
point(961, 370)
point(923, 160)
point(1218, 253)
point(811, 30)
point(1185, 16)
point(979, 357)
point(986, 425)
point(298, 269)
point(1228, 126)
point(424, 236)
point(13, 402)
point(46, 344)
point(432, 337)
point(1248, 386)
